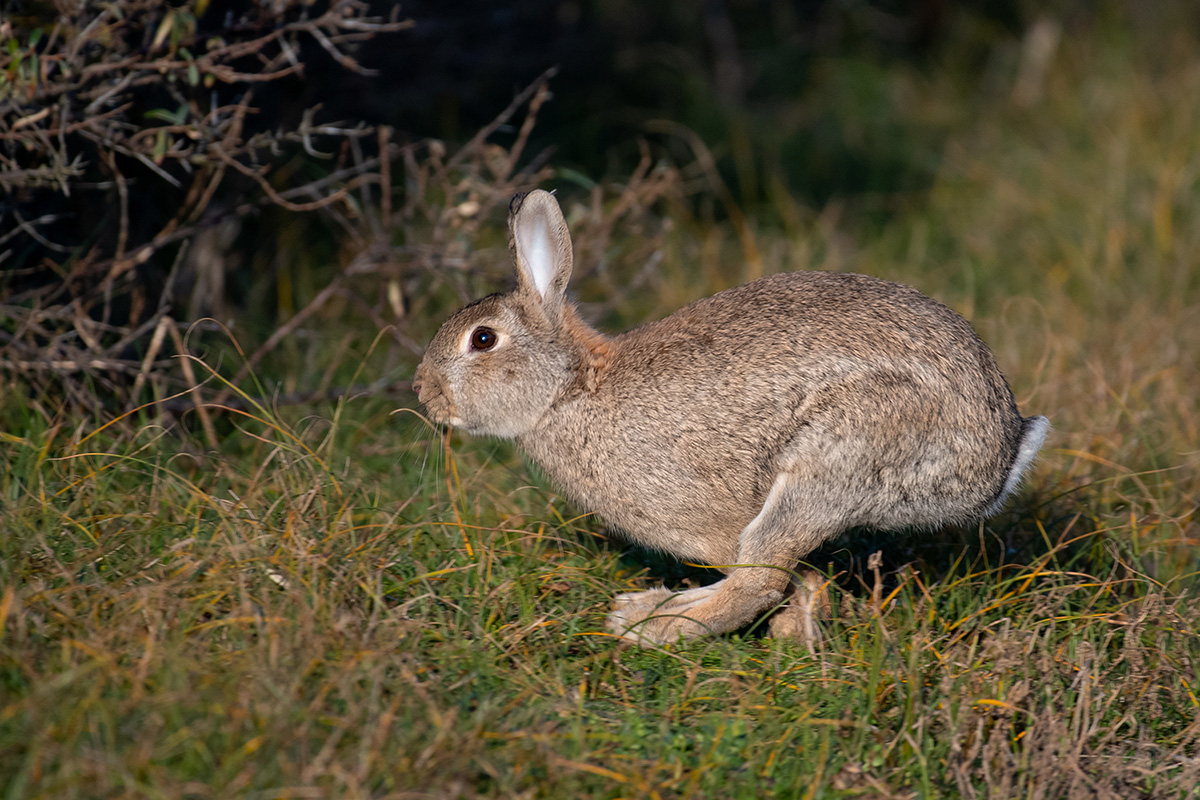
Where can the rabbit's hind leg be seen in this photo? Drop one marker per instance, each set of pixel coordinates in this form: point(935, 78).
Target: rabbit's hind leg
point(767, 550)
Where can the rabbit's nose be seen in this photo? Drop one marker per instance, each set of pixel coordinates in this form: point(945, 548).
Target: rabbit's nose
point(419, 382)
point(424, 385)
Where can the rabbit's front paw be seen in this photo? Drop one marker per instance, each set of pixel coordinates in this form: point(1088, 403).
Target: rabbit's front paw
point(661, 617)
point(658, 616)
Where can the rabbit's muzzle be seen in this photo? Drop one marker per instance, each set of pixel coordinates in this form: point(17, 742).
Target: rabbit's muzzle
point(432, 395)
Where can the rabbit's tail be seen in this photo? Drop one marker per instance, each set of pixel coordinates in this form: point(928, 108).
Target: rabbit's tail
point(1033, 434)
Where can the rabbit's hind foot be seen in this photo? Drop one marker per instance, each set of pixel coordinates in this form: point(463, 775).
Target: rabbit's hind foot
point(808, 603)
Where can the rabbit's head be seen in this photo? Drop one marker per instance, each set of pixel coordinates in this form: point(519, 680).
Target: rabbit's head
point(497, 365)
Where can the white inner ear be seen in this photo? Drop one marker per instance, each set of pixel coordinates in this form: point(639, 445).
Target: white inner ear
point(537, 254)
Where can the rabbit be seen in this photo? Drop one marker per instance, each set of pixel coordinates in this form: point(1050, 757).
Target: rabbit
point(742, 431)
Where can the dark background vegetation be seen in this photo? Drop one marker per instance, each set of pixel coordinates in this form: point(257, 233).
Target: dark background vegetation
point(140, 139)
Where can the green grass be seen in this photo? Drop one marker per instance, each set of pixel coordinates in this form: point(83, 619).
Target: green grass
point(341, 603)
point(270, 626)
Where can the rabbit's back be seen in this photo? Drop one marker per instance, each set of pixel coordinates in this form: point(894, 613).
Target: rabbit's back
point(888, 399)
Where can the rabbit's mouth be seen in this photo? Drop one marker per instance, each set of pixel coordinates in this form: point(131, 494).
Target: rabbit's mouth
point(432, 395)
point(443, 414)
point(441, 411)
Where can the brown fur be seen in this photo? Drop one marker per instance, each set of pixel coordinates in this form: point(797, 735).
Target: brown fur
point(744, 430)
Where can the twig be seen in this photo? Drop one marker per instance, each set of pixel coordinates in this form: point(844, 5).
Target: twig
point(160, 332)
point(535, 104)
point(123, 197)
point(21, 227)
point(284, 330)
point(279, 199)
point(28, 228)
point(385, 178)
point(68, 365)
point(338, 56)
point(185, 363)
point(486, 131)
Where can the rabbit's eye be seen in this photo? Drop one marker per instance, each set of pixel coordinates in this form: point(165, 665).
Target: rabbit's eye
point(483, 339)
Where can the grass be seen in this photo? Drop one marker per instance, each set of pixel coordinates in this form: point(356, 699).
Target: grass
point(342, 603)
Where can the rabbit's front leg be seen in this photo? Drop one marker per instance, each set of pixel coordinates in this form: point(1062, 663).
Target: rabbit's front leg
point(768, 548)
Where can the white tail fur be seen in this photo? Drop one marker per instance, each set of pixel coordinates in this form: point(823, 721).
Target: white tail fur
point(1032, 437)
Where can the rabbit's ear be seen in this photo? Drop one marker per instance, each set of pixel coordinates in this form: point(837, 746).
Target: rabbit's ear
point(543, 246)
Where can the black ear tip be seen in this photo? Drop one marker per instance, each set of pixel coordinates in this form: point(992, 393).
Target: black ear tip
point(515, 204)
